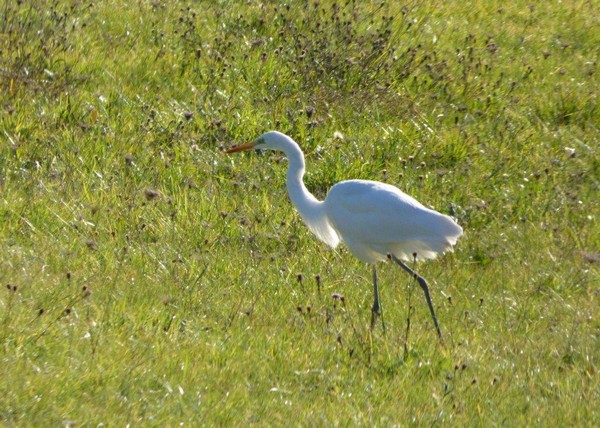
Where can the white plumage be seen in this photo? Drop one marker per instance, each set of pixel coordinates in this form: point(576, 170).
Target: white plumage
point(375, 220)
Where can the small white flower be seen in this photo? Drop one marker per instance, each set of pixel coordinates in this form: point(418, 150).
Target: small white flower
point(338, 135)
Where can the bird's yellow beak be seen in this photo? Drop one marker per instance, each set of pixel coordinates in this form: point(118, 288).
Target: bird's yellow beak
point(240, 148)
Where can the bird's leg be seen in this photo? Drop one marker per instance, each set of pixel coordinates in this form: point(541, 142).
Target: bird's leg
point(425, 288)
point(410, 308)
point(376, 310)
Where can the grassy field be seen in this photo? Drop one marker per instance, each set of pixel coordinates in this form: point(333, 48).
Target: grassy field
point(148, 279)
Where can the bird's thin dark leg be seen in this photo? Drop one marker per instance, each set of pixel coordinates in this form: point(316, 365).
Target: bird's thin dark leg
point(376, 310)
point(410, 308)
point(425, 288)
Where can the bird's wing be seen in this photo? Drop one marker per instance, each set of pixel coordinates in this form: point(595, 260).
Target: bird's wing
point(378, 217)
point(364, 195)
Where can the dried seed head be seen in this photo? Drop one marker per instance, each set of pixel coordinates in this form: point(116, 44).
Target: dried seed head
point(151, 194)
point(591, 257)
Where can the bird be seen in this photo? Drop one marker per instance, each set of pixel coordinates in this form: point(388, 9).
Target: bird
point(375, 220)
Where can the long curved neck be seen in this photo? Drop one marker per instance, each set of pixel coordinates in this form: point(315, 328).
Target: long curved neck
point(308, 206)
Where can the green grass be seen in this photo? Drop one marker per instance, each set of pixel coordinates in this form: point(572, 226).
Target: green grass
point(150, 279)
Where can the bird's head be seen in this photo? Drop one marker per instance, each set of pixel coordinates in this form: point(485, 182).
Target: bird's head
point(272, 140)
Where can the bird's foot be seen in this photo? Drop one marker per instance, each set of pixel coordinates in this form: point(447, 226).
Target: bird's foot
point(374, 315)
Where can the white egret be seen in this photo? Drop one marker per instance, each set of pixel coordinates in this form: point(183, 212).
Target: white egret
point(375, 220)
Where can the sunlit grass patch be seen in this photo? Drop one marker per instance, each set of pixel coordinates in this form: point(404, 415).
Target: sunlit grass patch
point(147, 278)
